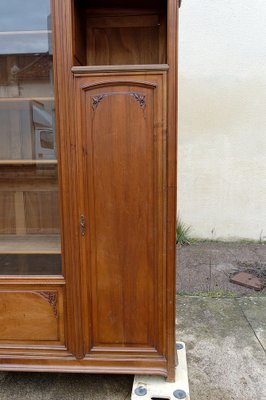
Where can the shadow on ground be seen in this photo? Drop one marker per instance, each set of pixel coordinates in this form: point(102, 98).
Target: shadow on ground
point(49, 386)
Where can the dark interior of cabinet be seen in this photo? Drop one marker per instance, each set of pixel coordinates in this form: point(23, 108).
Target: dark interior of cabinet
point(30, 264)
point(119, 32)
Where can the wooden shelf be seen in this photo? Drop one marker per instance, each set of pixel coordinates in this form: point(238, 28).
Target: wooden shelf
point(24, 99)
point(28, 162)
point(119, 68)
point(30, 244)
point(17, 33)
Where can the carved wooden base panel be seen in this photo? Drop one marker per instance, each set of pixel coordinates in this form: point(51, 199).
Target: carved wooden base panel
point(98, 366)
point(29, 316)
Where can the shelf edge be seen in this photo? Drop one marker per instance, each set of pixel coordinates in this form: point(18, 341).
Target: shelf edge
point(28, 162)
point(119, 68)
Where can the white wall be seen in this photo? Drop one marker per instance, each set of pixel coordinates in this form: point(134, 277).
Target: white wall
point(222, 118)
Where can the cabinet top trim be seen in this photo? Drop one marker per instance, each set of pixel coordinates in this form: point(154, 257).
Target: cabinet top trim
point(119, 68)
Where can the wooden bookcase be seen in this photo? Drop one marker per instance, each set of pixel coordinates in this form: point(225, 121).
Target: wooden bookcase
point(112, 307)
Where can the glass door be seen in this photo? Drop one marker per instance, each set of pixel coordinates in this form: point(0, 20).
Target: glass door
point(29, 206)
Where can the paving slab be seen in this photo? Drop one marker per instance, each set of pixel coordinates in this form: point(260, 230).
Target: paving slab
point(225, 359)
point(254, 309)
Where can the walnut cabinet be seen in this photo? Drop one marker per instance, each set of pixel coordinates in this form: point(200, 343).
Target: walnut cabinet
point(87, 235)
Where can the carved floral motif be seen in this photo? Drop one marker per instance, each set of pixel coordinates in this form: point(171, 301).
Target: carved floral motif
point(96, 100)
point(51, 297)
point(140, 98)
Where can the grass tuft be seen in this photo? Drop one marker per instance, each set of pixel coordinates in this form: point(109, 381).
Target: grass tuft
point(182, 233)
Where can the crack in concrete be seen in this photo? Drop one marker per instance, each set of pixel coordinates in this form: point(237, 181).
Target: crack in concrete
point(250, 325)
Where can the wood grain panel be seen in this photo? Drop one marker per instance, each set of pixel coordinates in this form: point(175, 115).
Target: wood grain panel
point(124, 21)
point(123, 46)
point(22, 178)
point(20, 213)
point(29, 316)
point(172, 55)
point(29, 199)
point(123, 199)
point(124, 167)
point(79, 36)
point(69, 174)
point(42, 213)
point(125, 37)
point(7, 213)
point(30, 244)
point(122, 4)
point(16, 130)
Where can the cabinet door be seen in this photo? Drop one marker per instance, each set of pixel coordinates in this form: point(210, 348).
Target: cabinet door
point(121, 128)
point(31, 284)
point(30, 241)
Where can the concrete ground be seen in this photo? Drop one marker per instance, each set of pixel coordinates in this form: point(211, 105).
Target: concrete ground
point(225, 337)
point(206, 267)
point(226, 346)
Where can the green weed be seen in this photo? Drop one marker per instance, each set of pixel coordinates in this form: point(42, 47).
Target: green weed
point(182, 233)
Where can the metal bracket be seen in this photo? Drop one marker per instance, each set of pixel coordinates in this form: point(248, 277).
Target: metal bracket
point(155, 387)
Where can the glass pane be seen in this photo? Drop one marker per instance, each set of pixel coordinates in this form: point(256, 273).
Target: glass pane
point(30, 264)
point(29, 207)
point(27, 129)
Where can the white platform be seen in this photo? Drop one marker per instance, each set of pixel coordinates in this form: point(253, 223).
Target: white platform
point(155, 387)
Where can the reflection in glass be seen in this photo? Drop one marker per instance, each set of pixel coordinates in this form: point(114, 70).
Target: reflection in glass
point(29, 15)
point(30, 264)
point(29, 210)
point(27, 129)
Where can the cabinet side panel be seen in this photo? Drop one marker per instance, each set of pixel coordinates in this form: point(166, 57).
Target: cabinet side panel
point(172, 39)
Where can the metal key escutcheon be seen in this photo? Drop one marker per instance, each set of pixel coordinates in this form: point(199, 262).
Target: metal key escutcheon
point(82, 223)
